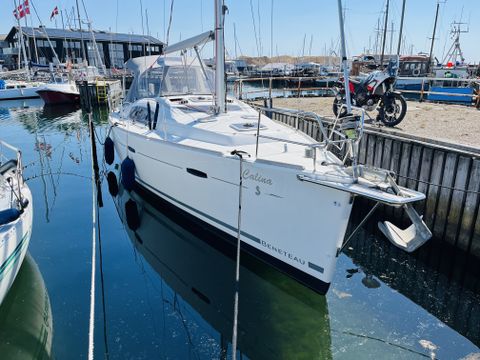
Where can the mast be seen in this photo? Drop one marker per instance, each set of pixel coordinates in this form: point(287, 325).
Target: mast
point(384, 34)
point(401, 28)
point(45, 32)
point(433, 38)
point(344, 58)
point(235, 40)
point(84, 55)
point(219, 58)
point(22, 43)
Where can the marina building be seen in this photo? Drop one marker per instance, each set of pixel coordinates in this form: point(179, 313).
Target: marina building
point(114, 48)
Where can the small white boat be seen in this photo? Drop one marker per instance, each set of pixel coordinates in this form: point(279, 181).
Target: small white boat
point(189, 146)
point(12, 90)
point(59, 91)
point(16, 215)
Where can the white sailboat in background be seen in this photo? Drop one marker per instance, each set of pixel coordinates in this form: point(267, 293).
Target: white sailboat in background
point(184, 141)
point(16, 216)
point(12, 90)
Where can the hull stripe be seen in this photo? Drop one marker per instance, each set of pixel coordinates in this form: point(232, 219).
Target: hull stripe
point(251, 237)
point(13, 257)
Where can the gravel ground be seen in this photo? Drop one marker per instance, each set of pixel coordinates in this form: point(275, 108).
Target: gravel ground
point(451, 123)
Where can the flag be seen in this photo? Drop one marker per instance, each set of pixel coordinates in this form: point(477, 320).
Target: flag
point(22, 10)
point(54, 12)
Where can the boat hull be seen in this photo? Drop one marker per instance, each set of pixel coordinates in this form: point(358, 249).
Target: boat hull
point(19, 93)
point(295, 226)
point(14, 240)
point(52, 97)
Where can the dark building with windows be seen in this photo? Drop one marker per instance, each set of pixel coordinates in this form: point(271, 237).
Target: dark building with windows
point(114, 48)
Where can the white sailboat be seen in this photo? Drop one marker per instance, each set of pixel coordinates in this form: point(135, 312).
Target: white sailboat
point(16, 215)
point(185, 143)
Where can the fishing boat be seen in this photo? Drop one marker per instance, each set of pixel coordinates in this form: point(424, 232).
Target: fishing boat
point(14, 90)
point(16, 215)
point(179, 137)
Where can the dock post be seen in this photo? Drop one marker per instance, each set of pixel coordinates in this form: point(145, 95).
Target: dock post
point(422, 89)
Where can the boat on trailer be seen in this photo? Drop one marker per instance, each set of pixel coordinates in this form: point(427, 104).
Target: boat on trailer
point(16, 215)
point(179, 137)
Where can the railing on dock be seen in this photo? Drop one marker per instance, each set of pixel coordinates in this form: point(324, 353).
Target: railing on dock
point(449, 175)
point(283, 85)
point(428, 88)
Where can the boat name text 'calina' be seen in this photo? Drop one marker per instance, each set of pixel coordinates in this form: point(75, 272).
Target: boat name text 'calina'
point(256, 177)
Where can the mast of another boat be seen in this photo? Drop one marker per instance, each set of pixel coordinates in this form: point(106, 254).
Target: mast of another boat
point(22, 42)
point(344, 59)
point(220, 91)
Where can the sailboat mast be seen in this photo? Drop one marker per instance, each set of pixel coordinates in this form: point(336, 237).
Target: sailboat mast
point(401, 29)
point(344, 58)
point(22, 42)
point(81, 33)
point(384, 34)
point(433, 37)
point(219, 58)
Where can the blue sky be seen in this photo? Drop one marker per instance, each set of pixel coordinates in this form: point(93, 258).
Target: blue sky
point(316, 21)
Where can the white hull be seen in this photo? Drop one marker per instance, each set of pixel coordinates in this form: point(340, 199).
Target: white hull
point(291, 222)
point(19, 93)
point(296, 196)
point(14, 240)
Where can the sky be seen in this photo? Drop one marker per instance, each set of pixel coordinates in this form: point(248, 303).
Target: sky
point(300, 27)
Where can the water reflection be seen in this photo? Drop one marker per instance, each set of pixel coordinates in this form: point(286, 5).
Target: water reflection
point(442, 280)
point(26, 326)
point(278, 318)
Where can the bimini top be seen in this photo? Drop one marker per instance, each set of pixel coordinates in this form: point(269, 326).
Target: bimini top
point(168, 75)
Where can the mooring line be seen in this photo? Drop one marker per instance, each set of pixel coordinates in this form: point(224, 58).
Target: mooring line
point(237, 268)
point(91, 327)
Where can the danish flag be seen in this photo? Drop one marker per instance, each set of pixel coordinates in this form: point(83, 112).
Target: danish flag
point(22, 10)
point(54, 12)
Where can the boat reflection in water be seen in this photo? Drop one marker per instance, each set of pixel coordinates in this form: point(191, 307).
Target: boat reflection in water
point(26, 327)
point(278, 317)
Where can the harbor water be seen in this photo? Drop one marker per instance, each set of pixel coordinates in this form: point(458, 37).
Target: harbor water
point(165, 289)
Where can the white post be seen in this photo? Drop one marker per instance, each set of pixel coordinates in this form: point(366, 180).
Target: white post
point(344, 58)
point(219, 58)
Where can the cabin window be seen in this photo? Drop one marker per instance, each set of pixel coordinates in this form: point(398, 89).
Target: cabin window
point(138, 114)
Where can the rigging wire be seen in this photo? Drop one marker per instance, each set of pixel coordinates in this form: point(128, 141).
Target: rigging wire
point(254, 27)
point(170, 22)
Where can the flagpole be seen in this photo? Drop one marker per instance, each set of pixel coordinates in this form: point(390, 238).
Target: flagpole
point(34, 41)
point(28, 38)
point(22, 44)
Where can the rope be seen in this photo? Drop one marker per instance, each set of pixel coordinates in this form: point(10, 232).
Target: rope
point(237, 268)
point(439, 185)
point(91, 327)
point(100, 257)
point(431, 356)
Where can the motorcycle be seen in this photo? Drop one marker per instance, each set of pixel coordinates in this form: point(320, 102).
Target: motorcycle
point(375, 92)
